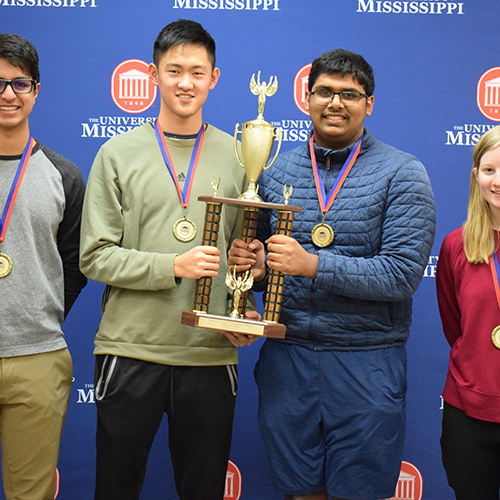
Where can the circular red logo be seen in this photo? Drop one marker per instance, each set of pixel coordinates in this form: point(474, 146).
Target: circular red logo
point(233, 482)
point(410, 483)
point(300, 87)
point(58, 479)
point(488, 94)
point(131, 88)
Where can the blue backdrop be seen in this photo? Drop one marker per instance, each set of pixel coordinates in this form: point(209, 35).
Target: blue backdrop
point(428, 58)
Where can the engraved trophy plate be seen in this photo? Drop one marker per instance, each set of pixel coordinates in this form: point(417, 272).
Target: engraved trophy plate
point(245, 326)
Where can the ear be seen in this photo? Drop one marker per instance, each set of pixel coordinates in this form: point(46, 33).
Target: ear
point(153, 74)
point(35, 91)
point(369, 105)
point(215, 78)
point(474, 171)
point(306, 101)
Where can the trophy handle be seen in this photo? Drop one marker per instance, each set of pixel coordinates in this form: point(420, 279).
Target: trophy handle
point(279, 132)
point(236, 132)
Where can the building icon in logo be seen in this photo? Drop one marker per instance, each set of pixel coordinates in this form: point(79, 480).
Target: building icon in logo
point(488, 94)
point(133, 85)
point(406, 486)
point(492, 94)
point(300, 87)
point(131, 89)
point(409, 485)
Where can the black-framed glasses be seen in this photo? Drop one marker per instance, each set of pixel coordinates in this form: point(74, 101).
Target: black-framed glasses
point(19, 85)
point(324, 97)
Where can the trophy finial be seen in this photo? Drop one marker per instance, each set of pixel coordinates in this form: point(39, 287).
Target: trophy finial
point(263, 89)
point(287, 193)
point(215, 185)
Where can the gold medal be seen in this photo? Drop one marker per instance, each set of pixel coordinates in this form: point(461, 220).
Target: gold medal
point(495, 337)
point(5, 265)
point(184, 230)
point(322, 235)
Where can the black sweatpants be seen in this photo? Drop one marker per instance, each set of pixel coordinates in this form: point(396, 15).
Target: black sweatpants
point(471, 455)
point(131, 398)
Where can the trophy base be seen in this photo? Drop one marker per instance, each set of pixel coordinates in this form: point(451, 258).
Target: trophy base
point(246, 326)
point(251, 196)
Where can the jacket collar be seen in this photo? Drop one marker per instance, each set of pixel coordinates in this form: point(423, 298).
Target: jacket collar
point(338, 156)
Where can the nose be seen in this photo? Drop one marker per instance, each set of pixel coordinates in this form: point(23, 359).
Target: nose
point(185, 81)
point(336, 102)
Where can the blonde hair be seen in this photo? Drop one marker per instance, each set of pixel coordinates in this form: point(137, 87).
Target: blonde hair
point(479, 243)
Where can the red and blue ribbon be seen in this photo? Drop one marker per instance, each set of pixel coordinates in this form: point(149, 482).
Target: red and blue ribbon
point(341, 177)
point(495, 271)
point(14, 189)
point(193, 164)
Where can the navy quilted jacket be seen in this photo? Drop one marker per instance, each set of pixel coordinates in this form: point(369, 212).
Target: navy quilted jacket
point(384, 222)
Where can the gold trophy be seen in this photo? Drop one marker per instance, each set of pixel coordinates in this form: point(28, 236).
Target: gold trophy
point(257, 139)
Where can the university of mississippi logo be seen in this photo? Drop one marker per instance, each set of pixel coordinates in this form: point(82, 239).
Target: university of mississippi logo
point(58, 480)
point(410, 483)
point(131, 89)
point(232, 490)
point(488, 94)
point(300, 87)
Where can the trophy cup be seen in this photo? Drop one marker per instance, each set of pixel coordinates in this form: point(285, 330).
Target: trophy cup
point(257, 139)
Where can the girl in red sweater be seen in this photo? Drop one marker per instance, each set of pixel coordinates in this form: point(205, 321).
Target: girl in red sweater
point(468, 291)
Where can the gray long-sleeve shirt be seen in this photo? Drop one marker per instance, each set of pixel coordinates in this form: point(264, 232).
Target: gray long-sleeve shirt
point(42, 240)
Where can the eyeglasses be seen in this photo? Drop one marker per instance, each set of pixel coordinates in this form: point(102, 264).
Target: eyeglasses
point(347, 98)
point(19, 86)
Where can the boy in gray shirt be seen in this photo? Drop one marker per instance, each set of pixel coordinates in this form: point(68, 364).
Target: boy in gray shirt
point(41, 195)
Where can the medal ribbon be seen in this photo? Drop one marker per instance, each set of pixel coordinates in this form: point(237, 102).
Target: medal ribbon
point(495, 271)
point(193, 164)
point(341, 177)
point(14, 189)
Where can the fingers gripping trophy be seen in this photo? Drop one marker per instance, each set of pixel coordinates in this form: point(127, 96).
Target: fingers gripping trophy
point(257, 140)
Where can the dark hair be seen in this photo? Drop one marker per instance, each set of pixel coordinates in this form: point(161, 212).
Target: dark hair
point(19, 52)
point(341, 62)
point(183, 32)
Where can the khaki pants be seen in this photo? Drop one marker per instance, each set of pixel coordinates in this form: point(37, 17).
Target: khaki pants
point(34, 393)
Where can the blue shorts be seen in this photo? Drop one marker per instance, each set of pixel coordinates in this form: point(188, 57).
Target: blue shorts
point(332, 420)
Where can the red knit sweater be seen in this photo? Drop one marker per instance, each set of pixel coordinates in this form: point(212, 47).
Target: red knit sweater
point(469, 313)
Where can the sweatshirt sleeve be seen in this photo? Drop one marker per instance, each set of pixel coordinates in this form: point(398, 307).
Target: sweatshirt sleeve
point(68, 233)
point(447, 294)
point(408, 227)
point(102, 256)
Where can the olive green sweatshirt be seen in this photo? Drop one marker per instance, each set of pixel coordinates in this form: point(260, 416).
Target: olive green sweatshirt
point(131, 205)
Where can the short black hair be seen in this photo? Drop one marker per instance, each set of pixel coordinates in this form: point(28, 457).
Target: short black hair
point(19, 52)
point(342, 62)
point(183, 32)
